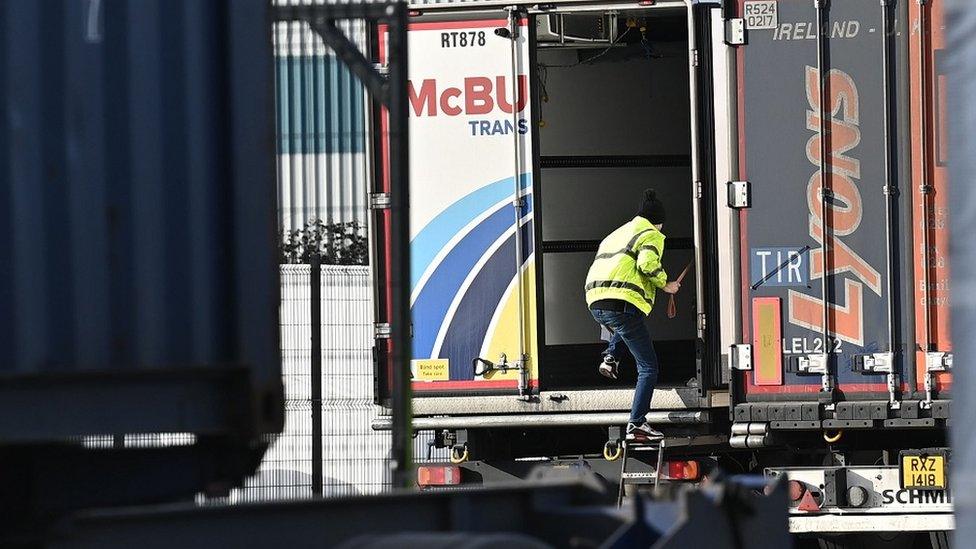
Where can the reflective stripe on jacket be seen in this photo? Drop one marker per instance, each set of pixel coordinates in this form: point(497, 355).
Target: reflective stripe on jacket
point(628, 266)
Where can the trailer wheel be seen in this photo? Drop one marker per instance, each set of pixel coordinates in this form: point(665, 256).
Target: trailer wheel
point(825, 543)
point(836, 542)
point(939, 540)
point(612, 450)
point(877, 540)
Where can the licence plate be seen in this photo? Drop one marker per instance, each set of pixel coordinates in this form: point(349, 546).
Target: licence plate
point(923, 471)
point(760, 14)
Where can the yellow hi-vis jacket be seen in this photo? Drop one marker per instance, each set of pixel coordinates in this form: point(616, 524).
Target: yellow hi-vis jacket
point(628, 266)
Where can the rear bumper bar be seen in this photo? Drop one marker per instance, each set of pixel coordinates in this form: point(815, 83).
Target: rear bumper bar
point(682, 417)
point(821, 524)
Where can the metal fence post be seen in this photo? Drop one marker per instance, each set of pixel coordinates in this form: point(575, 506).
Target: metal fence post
point(402, 431)
point(315, 377)
point(389, 90)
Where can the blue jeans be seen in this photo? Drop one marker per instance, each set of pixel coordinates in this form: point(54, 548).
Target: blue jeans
point(628, 326)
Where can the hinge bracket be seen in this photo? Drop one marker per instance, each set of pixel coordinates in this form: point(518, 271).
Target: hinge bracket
point(739, 194)
point(698, 190)
point(381, 330)
point(735, 32)
point(694, 57)
point(379, 201)
point(741, 356)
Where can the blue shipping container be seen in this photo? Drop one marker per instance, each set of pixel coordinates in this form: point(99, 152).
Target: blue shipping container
point(139, 287)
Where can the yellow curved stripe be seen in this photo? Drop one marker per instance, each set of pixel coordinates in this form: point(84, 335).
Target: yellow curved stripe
point(504, 337)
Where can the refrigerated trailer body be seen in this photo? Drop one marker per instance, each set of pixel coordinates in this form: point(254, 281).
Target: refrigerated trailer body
point(721, 109)
point(466, 299)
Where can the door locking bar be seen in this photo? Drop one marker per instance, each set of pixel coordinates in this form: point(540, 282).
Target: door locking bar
point(820, 363)
point(881, 363)
point(489, 368)
point(935, 361)
point(877, 363)
point(813, 364)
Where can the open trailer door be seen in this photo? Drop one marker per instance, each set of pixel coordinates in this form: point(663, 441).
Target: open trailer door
point(472, 292)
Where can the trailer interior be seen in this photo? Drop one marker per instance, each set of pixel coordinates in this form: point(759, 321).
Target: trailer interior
point(612, 96)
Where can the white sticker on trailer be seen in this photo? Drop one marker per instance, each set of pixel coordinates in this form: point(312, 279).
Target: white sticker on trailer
point(760, 14)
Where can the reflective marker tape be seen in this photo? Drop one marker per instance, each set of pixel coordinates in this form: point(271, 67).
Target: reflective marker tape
point(766, 334)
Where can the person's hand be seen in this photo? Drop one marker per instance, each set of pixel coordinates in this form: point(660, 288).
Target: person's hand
point(672, 287)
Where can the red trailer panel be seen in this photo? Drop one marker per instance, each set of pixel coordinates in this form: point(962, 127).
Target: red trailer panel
point(930, 229)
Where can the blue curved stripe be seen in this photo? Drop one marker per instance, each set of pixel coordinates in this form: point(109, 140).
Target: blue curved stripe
point(435, 298)
point(469, 328)
point(436, 234)
point(506, 206)
point(443, 285)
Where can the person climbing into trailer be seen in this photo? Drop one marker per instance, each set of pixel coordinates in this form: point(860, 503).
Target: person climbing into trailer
point(620, 289)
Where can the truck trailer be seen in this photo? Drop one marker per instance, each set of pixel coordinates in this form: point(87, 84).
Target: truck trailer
point(800, 149)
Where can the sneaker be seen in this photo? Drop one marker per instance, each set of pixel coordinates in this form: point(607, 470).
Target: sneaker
point(642, 433)
point(608, 368)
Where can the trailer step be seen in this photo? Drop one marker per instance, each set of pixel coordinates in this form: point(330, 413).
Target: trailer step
point(643, 476)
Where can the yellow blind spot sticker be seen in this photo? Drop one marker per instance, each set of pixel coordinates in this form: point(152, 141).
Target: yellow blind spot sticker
point(431, 369)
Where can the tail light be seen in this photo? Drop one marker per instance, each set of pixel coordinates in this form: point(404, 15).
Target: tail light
point(438, 475)
point(682, 470)
point(797, 489)
point(809, 503)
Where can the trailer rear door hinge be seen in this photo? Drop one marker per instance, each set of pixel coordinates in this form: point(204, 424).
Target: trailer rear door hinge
point(381, 68)
point(694, 57)
point(701, 322)
point(381, 330)
point(379, 201)
point(739, 194)
point(741, 356)
point(735, 31)
point(698, 190)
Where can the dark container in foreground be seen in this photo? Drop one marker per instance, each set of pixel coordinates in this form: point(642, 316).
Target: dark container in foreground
point(139, 290)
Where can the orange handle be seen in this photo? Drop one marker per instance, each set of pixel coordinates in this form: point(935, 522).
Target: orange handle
point(672, 305)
